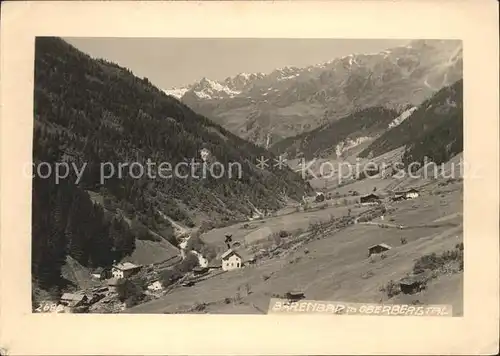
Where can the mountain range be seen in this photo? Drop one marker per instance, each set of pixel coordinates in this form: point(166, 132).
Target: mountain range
point(266, 108)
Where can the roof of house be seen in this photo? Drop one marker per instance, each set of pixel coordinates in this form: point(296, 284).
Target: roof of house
point(73, 296)
point(381, 245)
point(412, 190)
point(370, 196)
point(228, 254)
point(410, 280)
point(125, 266)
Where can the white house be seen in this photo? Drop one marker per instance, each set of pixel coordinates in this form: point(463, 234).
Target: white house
point(411, 194)
point(231, 260)
point(155, 286)
point(124, 270)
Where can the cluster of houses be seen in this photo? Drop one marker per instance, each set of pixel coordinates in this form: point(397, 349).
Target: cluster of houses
point(409, 194)
point(373, 199)
point(113, 277)
point(230, 260)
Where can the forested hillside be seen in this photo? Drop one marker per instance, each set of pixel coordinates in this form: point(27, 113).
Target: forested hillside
point(434, 130)
point(322, 140)
point(91, 111)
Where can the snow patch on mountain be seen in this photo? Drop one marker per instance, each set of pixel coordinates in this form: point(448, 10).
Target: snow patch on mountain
point(348, 144)
point(406, 114)
point(288, 77)
point(176, 92)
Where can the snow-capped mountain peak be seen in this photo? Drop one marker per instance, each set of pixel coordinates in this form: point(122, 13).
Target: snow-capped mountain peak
point(211, 89)
point(177, 93)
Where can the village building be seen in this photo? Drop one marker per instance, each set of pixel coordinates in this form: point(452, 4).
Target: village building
point(369, 199)
point(379, 248)
point(156, 286)
point(412, 194)
point(113, 284)
point(98, 273)
point(294, 295)
point(198, 271)
point(249, 260)
point(124, 270)
point(231, 260)
point(214, 265)
point(409, 194)
point(320, 197)
point(73, 299)
point(399, 197)
point(93, 298)
point(411, 285)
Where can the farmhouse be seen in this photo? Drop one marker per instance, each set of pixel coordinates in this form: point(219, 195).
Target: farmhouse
point(98, 273)
point(124, 270)
point(410, 285)
point(295, 294)
point(113, 284)
point(215, 265)
point(231, 260)
point(369, 199)
point(198, 271)
point(411, 194)
point(399, 197)
point(320, 197)
point(379, 248)
point(73, 299)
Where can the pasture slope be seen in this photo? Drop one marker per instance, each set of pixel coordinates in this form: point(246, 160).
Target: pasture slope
point(335, 265)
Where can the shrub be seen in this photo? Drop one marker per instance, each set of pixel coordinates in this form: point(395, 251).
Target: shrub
point(129, 291)
point(434, 262)
point(188, 263)
point(430, 262)
point(169, 276)
point(283, 233)
point(391, 289)
point(276, 238)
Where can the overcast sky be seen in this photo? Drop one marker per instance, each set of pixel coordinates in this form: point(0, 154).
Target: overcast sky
point(175, 62)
